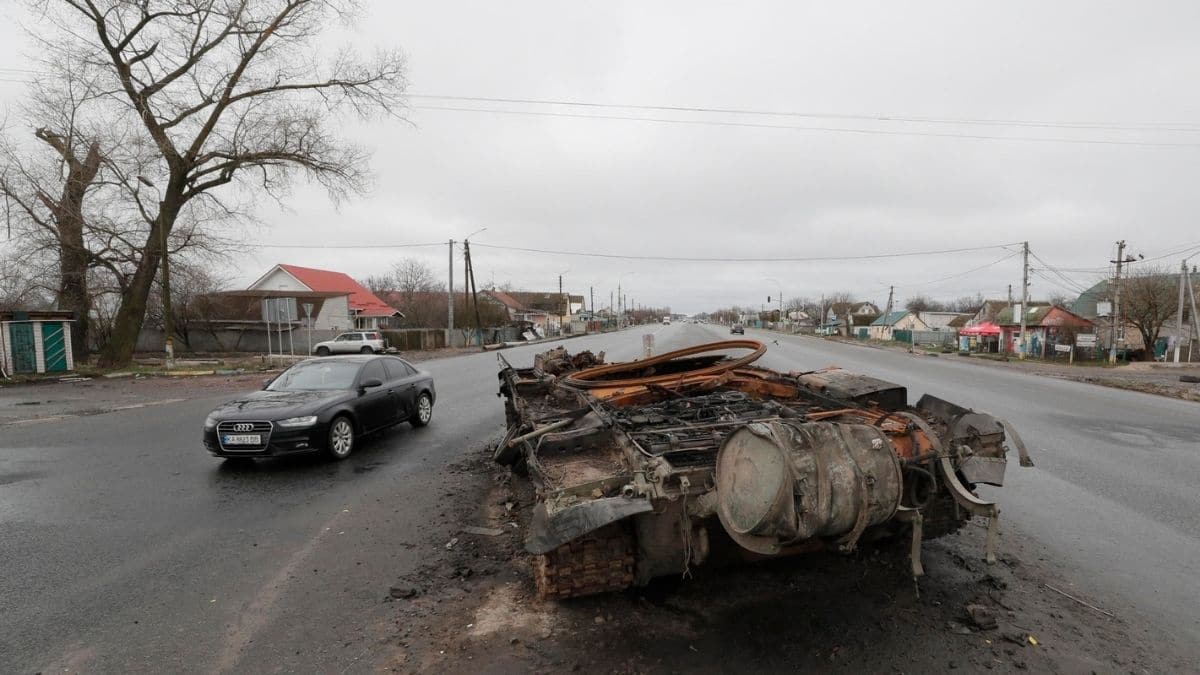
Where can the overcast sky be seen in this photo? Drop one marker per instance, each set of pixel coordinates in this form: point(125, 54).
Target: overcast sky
point(705, 191)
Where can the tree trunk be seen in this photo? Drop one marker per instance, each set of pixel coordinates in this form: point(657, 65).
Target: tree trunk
point(73, 292)
point(128, 323)
point(73, 256)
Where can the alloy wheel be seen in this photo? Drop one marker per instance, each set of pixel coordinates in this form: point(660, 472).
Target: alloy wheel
point(341, 438)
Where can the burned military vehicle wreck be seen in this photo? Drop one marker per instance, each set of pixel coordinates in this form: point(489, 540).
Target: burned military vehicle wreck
point(643, 468)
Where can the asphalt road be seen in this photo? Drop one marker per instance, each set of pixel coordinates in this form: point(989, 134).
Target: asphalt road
point(126, 548)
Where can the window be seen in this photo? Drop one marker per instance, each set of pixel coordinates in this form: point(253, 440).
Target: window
point(397, 369)
point(373, 371)
point(343, 338)
point(315, 375)
point(404, 368)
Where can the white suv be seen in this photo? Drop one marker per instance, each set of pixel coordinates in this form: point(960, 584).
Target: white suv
point(364, 342)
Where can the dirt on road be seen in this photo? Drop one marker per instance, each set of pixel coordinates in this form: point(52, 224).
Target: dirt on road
point(473, 608)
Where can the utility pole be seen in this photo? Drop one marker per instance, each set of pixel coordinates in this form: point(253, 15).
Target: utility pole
point(1179, 311)
point(450, 297)
point(592, 297)
point(560, 306)
point(1195, 317)
point(1116, 310)
point(891, 292)
point(168, 315)
point(1024, 298)
point(1010, 296)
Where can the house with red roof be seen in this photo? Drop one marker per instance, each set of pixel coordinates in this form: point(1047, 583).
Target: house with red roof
point(353, 306)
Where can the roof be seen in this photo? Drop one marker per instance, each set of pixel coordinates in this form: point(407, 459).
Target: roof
point(506, 300)
point(1037, 315)
point(36, 314)
point(891, 318)
point(362, 301)
point(1085, 304)
point(959, 321)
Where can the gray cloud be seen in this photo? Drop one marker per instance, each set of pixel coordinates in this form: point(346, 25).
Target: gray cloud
point(672, 189)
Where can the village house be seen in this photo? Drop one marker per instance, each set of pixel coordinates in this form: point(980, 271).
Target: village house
point(347, 305)
point(885, 327)
point(941, 320)
point(1047, 325)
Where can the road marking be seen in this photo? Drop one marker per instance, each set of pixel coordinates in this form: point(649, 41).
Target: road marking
point(259, 612)
point(39, 420)
point(131, 406)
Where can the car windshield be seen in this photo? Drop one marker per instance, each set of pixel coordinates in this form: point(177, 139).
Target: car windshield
point(316, 375)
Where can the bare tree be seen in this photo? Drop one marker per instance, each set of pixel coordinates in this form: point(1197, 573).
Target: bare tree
point(220, 92)
point(193, 284)
point(1149, 298)
point(923, 303)
point(1060, 299)
point(413, 275)
point(23, 278)
point(378, 283)
point(967, 304)
point(804, 304)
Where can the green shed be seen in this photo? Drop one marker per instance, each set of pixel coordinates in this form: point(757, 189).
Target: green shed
point(35, 341)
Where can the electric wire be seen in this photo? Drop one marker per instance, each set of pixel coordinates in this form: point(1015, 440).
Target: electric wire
point(844, 130)
point(654, 258)
point(1010, 256)
point(1184, 127)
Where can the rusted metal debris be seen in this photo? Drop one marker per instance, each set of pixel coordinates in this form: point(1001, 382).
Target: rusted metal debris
point(641, 466)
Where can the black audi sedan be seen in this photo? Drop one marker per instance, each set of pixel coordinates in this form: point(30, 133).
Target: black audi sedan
point(323, 404)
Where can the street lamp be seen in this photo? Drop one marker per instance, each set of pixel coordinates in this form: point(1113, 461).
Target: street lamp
point(168, 315)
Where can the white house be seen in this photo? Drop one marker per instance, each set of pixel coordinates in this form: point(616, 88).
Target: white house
point(357, 308)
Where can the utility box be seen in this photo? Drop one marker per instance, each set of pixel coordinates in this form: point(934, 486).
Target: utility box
point(35, 341)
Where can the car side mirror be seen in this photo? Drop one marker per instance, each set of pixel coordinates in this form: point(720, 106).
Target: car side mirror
point(368, 384)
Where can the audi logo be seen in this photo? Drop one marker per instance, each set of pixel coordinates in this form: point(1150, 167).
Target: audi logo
point(243, 427)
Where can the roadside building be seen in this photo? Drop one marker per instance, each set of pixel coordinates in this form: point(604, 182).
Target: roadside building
point(851, 319)
point(349, 304)
point(1048, 325)
point(942, 320)
point(35, 341)
point(886, 326)
point(988, 311)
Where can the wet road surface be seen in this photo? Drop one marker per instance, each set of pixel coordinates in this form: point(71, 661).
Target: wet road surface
point(128, 548)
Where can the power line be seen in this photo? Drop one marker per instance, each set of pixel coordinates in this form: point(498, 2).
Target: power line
point(618, 256)
point(256, 244)
point(844, 130)
point(1106, 126)
point(962, 274)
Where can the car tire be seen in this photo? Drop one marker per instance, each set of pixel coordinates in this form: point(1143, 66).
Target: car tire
point(366, 350)
point(322, 351)
point(424, 411)
point(340, 442)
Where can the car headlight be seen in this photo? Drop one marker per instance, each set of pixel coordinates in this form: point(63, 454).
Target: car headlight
point(210, 421)
point(294, 422)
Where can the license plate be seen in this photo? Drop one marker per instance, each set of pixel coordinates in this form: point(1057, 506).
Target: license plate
point(242, 439)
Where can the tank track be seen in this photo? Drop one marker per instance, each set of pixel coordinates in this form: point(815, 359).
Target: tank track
point(600, 562)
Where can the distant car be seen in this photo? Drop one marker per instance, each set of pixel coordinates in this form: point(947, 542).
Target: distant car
point(321, 405)
point(737, 328)
point(356, 342)
point(666, 321)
